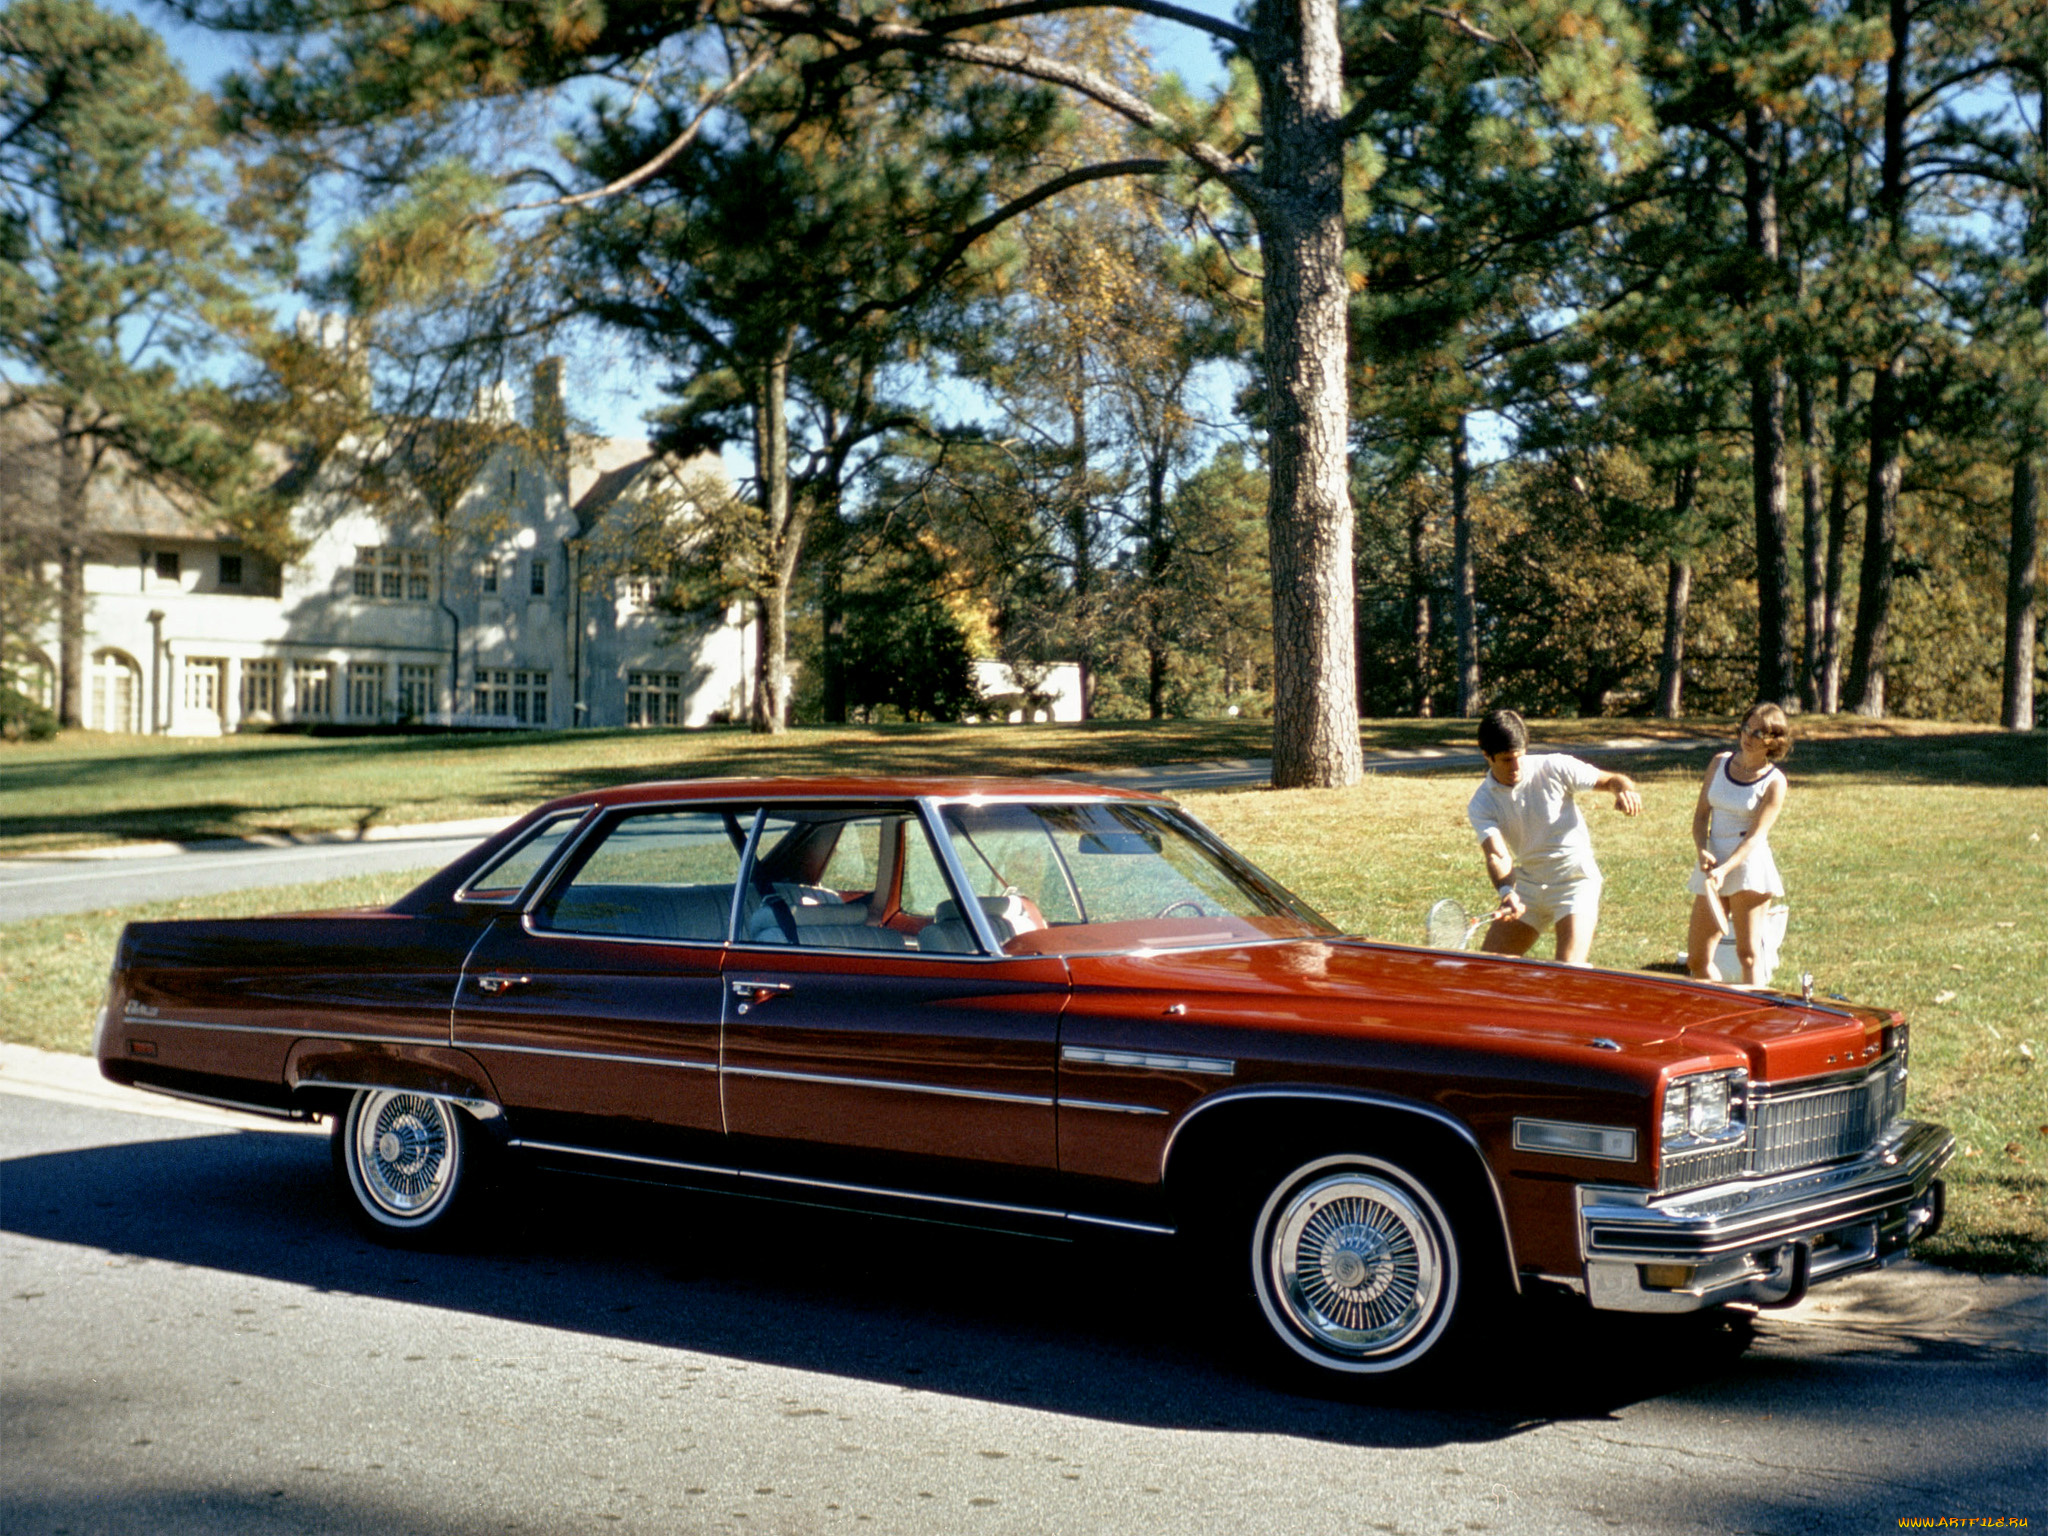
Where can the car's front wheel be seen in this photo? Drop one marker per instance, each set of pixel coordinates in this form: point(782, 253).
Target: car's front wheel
point(408, 1161)
point(1356, 1267)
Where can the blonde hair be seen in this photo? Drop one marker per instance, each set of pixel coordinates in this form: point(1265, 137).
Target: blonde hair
point(1776, 730)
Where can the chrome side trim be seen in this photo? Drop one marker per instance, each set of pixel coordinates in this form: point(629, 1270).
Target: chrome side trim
point(268, 1111)
point(1157, 1061)
point(875, 1191)
point(622, 1157)
point(748, 1175)
point(1109, 1108)
point(892, 1086)
point(300, 1034)
point(1118, 1224)
point(605, 1056)
point(1365, 1097)
point(871, 1190)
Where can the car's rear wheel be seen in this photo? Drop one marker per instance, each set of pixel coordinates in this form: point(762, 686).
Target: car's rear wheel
point(1356, 1267)
point(408, 1161)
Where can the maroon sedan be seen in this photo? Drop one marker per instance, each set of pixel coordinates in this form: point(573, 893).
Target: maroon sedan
point(1055, 1007)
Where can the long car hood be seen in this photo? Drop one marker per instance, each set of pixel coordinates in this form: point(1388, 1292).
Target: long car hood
point(1348, 986)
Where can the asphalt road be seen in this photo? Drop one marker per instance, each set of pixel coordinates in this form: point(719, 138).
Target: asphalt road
point(197, 1341)
point(42, 886)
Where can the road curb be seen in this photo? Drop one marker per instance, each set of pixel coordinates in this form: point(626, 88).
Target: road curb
point(421, 831)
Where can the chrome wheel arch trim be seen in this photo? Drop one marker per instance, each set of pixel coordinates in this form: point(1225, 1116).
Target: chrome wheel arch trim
point(479, 1109)
point(1361, 1098)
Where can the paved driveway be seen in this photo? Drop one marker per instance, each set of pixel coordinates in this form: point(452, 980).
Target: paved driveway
point(195, 1340)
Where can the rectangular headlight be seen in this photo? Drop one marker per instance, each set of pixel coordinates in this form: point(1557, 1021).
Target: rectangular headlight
point(1705, 1110)
point(1611, 1143)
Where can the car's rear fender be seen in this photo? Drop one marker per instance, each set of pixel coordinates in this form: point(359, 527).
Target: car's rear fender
point(324, 1074)
point(1233, 1132)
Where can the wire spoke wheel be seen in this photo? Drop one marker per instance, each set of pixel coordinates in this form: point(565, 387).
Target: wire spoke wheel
point(1355, 1266)
point(404, 1155)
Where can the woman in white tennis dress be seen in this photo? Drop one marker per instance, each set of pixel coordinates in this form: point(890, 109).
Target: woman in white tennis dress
point(1731, 825)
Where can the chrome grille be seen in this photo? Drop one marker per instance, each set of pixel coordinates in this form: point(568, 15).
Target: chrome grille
point(1791, 1130)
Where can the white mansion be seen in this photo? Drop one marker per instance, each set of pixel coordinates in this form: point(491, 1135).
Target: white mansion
point(517, 606)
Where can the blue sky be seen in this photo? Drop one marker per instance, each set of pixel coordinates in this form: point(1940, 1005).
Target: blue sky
point(614, 392)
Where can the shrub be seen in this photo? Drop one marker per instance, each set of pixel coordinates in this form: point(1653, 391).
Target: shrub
point(23, 719)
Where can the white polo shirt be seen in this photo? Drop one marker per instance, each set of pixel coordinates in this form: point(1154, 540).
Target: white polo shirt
point(1538, 819)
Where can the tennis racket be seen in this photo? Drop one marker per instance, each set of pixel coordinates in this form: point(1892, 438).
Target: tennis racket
point(1449, 927)
point(1719, 911)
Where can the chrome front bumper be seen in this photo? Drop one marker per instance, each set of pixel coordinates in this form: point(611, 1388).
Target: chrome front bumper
point(1764, 1241)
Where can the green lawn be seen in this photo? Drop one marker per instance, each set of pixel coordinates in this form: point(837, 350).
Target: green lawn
point(84, 789)
point(1916, 860)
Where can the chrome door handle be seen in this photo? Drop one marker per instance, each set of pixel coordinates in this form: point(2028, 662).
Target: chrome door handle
point(753, 993)
point(496, 984)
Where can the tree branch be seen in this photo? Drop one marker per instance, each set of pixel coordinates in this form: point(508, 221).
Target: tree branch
point(877, 39)
point(1018, 205)
point(653, 167)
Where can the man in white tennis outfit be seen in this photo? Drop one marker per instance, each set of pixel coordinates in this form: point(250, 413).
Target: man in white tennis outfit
point(1538, 852)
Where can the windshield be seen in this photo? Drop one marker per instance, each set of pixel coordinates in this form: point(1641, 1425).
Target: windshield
point(1074, 878)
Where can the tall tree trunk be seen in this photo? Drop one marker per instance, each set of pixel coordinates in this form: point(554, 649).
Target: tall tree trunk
point(1775, 680)
point(1887, 427)
point(1308, 512)
point(1838, 546)
point(1671, 670)
point(785, 543)
point(1677, 599)
point(1464, 578)
point(828, 549)
point(1158, 557)
point(1813, 546)
point(1418, 608)
point(2023, 556)
point(74, 474)
point(1081, 535)
point(2023, 564)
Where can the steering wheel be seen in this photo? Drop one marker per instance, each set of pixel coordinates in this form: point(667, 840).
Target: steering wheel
point(1195, 907)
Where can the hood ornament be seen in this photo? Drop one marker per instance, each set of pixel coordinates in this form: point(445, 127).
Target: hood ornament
point(1806, 988)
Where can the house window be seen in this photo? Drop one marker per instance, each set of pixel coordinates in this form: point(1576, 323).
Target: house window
point(638, 590)
point(116, 693)
point(395, 575)
point(416, 691)
point(313, 685)
point(231, 570)
point(259, 688)
point(366, 690)
point(513, 695)
point(654, 698)
point(490, 576)
point(167, 565)
point(540, 576)
point(203, 689)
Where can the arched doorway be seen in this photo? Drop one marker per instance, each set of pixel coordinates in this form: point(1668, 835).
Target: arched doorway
point(116, 696)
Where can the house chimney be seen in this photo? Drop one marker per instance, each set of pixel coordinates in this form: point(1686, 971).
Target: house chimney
point(551, 419)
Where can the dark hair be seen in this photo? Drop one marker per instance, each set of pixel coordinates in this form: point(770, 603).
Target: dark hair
point(1777, 730)
point(1502, 731)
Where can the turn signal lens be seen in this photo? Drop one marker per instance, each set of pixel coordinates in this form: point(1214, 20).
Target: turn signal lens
point(1667, 1277)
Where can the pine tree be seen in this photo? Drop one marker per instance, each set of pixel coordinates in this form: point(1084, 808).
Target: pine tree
point(118, 282)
